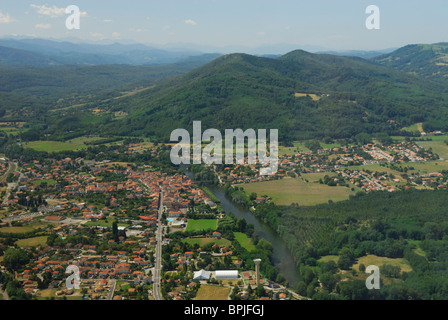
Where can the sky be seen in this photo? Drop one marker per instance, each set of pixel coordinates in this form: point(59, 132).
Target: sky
point(326, 24)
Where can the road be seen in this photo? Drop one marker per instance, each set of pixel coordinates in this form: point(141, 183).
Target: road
point(157, 270)
point(158, 253)
point(110, 295)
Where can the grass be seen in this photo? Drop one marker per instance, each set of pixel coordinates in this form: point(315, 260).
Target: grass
point(329, 258)
point(297, 190)
point(438, 146)
point(105, 224)
point(32, 242)
point(416, 127)
point(244, 241)
point(311, 95)
point(50, 182)
point(379, 261)
point(58, 146)
point(210, 292)
point(200, 225)
point(204, 241)
point(16, 229)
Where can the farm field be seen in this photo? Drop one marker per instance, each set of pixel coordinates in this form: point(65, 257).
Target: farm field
point(437, 145)
point(32, 242)
point(210, 292)
point(16, 229)
point(295, 190)
point(58, 146)
point(199, 225)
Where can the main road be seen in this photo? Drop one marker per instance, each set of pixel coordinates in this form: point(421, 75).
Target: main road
point(158, 252)
point(157, 270)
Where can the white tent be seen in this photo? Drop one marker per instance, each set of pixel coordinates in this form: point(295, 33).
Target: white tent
point(226, 274)
point(201, 275)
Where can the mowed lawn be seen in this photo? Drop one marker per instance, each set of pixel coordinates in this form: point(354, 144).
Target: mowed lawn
point(210, 292)
point(200, 225)
point(295, 190)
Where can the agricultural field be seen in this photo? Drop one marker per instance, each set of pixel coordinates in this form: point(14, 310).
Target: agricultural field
point(298, 190)
point(32, 242)
point(16, 229)
point(200, 225)
point(58, 146)
point(211, 292)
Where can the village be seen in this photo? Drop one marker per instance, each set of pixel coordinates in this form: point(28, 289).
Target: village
point(102, 218)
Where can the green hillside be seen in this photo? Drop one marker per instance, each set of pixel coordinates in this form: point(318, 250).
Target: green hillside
point(428, 60)
point(243, 91)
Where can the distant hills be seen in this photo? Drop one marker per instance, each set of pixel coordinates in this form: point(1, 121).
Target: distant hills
point(304, 95)
point(41, 52)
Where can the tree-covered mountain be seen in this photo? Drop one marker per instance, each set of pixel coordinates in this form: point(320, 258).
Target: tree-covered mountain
point(304, 95)
point(427, 60)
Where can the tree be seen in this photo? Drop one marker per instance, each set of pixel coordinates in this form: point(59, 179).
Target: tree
point(14, 259)
point(115, 231)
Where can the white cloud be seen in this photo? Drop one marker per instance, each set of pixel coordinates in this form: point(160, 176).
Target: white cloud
point(261, 33)
point(135, 30)
point(191, 22)
point(5, 18)
point(116, 35)
point(43, 26)
point(108, 20)
point(53, 12)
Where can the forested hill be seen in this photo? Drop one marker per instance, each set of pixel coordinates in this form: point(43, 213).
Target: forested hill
point(427, 60)
point(304, 95)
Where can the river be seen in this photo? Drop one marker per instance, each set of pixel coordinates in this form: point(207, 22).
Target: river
point(281, 255)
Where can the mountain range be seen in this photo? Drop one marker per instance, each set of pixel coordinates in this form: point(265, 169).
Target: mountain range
point(304, 95)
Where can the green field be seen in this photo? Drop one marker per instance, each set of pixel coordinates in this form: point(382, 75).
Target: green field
point(204, 241)
point(421, 167)
point(379, 261)
point(58, 146)
point(200, 225)
point(210, 292)
point(244, 241)
point(296, 190)
point(437, 145)
point(32, 242)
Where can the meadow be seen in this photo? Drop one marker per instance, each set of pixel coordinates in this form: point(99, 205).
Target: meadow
point(211, 292)
point(305, 190)
point(244, 241)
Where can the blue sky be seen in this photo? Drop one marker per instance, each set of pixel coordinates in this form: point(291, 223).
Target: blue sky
point(331, 24)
